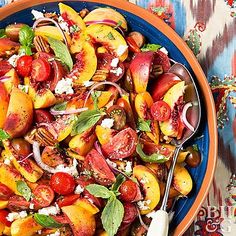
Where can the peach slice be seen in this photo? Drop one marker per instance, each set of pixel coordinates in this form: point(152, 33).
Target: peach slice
point(81, 220)
point(103, 99)
point(3, 204)
point(171, 98)
point(104, 134)
point(2, 226)
point(4, 102)
point(13, 80)
point(8, 47)
point(19, 114)
point(87, 205)
point(150, 186)
point(109, 38)
point(140, 68)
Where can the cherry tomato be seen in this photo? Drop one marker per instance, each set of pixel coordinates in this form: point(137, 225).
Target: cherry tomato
point(17, 203)
point(43, 195)
point(3, 218)
point(43, 116)
point(5, 66)
point(21, 146)
point(41, 70)
point(62, 183)
point(128, 191)
point(68, 200)
point(118, 114)
point(133, 47)
point(160, 58)
point(23, 65)
point(122, 145)
point(131, 212)
point(62, 219)
point(194, 158)
point(5, 192)
point(160, 111)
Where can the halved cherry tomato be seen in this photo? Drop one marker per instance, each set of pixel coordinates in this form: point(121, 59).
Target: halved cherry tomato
point(42, 116)
point(21, 146)
point(160, 111)
point(3, 218)
point(62, 219)
point(122, 145)
point(43, 195)
point(67, 200)
point(133, 47)
point(128, 191)
point(41, 70)
point(23, 65)
point(5, 192)
point(17, 203)
point(5, 66)
point(62, 183)
point(118, 114)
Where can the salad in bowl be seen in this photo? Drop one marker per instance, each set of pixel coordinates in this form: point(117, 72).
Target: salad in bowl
point(89, 110)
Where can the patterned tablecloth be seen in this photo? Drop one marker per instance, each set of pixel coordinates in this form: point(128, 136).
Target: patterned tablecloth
point(209, 29)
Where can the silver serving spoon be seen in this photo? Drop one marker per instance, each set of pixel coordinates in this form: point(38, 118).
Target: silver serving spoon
point(160, 223)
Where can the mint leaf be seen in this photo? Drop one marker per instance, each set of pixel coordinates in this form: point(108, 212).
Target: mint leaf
point(46, 221)
point(153, 158)
point(61, 51)
point(144, 125)
point(4, 135)
point(119, 180)
point(2, 33)
point(86, 120)
point(99, 191)
point(112, 216)
point(60, 106)
point(150, 47)
point(26, 36)
point(23, 189)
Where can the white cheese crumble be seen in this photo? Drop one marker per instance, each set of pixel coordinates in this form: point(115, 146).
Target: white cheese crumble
point(37, 14)
point(144, 180)
point(144, 205)
point(63, 24)
point(72, 170)
point(16, 215)
point(114, 62)
point(24, 88)
point(118, 71)
point(78, 189)
point(128, 167)
point(113, 164)
point(64, 86)
point(39, 231)
point(121, 49)
point(57, 233)
point(107, 123)
point(7, 161)
point(88, 83)
point(13, 60)
point(31, 206)
point(163, 49)
point(51, 210)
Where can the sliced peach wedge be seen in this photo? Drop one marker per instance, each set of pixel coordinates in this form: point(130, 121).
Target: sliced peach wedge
point(13, 80)
point(4, 102)
point(109, 38)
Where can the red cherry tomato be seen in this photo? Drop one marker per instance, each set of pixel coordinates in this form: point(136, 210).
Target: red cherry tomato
point(122, 145)
point(23, 65)
point(43, 195)
point(128, 191)
point(160, 111)
point(133, 47)
point(17, 203)
point(62, 183)
point(5, 192)
point(41, 70)
point(3, 218)
point(130, 212)
point(42, 116)
point(68, 200)
point(5, 66)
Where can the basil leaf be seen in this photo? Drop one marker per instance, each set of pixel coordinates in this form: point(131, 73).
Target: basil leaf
point(119, 180)
point(2, 33)
point(26, 36)
point(99, 191)
point(153, 158)
point(144, 125)
point(23, 189)
point(60, 106)
point(86, 120)
point(61, 51)
point(25, 50)
point(110, 36)
point(4, 135)
point(46, 221)
point(112, 216)
point(150, 47)
point(95, 95)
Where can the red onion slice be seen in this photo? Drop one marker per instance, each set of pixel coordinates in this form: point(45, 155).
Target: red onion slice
point(4, 78)
point(184, 116)
point(98, 147)
point(69, 112)
point(141, 220)
point(28, 156)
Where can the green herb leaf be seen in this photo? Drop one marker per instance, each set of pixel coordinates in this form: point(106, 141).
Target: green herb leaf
point(99, 191)
point(23, 189)
point(195, 147)
point(110, 36)
point(4, 135)
point(112, 216)
point(61, 51)
point(60, 106)
point(119, 23)
point(25, 50)
point(95, 95)
point(119, 180)
point(46, 221)
point(2, 33)
point(144, 125)
point(26, 36)
point(154, 158)
point(150, 47)
point(86, 120)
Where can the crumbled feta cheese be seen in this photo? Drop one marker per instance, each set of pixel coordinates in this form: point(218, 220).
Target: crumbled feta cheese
point(16, 215)
point(24, 88)
point(57, 233)
point(128, 167)
point(37, 14)
point(164, 50)
point(63, 24)
point(64, 86)
point(72, 170)
point(114, 62)
point(107, 123)
point(31, 206)
point(88, 83)
point(79, 189)
point(117, 71)
point(13, 60)
point(51, 210)
point(7, 161)
point(151, 214)
point(144, 180)
point(113, 164)
point(121, 49)
point(144, 205)
point(39, 231)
